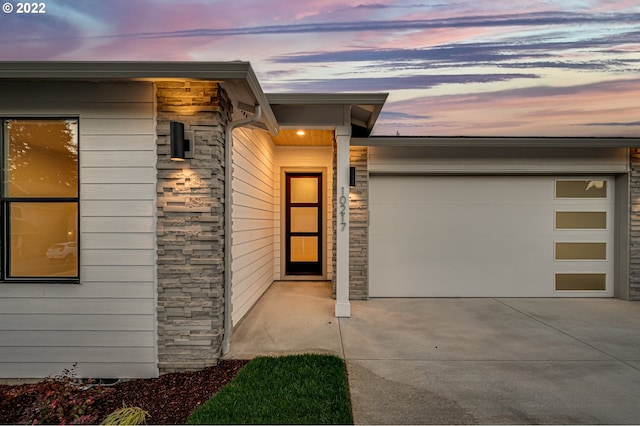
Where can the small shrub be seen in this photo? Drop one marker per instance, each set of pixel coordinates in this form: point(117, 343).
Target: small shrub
point(59, 401)
point(127, 416)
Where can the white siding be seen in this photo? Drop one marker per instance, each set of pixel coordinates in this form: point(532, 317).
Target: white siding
point(303, 158)
point(412, 160)
point(252, 219)
point(107, 322)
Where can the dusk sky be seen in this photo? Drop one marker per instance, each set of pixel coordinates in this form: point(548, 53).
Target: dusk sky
point(452, 68)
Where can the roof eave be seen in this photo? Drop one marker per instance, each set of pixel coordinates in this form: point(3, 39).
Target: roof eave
point(327, 98)
point(366, 105)
point(102, 70)
point(489, 142)
point(239, 74)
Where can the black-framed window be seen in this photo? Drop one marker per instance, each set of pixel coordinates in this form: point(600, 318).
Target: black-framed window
point(39, 196)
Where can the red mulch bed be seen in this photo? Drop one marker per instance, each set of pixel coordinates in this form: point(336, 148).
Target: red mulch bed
point(169, 399)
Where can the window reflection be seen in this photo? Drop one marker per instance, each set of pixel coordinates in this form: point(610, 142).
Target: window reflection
point(44, 239)
point(42, 158)
point(581, 189)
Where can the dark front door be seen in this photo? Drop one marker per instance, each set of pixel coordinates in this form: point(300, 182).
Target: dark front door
point(303, 224)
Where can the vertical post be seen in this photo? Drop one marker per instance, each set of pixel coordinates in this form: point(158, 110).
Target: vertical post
point(343, 138)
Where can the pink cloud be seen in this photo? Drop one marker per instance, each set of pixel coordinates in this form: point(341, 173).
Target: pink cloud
point(581, 111)
point(270, 29)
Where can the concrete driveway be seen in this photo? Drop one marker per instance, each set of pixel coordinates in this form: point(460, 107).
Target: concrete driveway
point(463, 361)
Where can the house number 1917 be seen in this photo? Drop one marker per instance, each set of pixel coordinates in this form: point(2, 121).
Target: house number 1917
point(343, 209)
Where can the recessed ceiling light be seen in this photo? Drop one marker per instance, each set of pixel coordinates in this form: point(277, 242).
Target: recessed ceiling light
point(300, 133)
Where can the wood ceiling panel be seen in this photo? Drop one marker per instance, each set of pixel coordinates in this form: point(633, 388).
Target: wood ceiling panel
point(309, 138)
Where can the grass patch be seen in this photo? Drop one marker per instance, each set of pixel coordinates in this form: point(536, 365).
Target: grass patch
point(296, 389)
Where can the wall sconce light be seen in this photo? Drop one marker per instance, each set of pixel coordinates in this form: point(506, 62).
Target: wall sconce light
point(352, 176)
point(180, 147)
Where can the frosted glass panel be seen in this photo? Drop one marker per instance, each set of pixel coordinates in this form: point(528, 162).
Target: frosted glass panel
point(581, 282)
point(304, 219)
point(581, 220)
point(44, 240)
point(304, 190)
point(581, 189)
point(304, 249)
point(581, 251)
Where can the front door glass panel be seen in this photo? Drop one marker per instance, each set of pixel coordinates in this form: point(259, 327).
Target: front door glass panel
point(304, 189)
point(303, 233)
point(304, 219)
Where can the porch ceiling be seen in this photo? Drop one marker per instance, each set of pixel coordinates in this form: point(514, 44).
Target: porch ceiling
point(309, 138)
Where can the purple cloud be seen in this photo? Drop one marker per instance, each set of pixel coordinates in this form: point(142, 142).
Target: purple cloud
point(630, 123)
point(536, 19)
point(383, 84)
point(531, 19)
point(510, 53)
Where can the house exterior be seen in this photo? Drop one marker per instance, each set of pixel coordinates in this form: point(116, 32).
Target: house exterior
point(133, 264)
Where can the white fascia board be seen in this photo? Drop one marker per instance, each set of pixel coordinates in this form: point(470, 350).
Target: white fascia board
point(466, 142)
point(123, 70)
point(327, 98)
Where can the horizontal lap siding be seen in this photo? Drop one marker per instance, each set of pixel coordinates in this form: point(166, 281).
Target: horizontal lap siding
point(75, 338)
point(107, 323)
point(252, 220)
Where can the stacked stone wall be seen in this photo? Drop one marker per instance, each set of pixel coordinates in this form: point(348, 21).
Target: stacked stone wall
point(358, 225)
point(190, 226)
point(634, 217)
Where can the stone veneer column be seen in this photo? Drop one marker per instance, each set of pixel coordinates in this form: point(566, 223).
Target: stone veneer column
point(358, 225)
point(190, 226)
point(634, 217)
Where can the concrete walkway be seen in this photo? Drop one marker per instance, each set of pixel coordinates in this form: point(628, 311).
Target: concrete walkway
point(463, 361)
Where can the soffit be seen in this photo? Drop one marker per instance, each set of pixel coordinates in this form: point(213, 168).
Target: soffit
point(309, 138)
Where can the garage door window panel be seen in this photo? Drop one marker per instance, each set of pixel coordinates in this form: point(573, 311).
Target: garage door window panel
point(581, 282)
point(580, 251)
point(581, 189)
point(581, 220)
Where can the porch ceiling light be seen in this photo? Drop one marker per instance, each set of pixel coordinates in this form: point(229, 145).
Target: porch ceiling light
point(179, 145)
point(300, 133)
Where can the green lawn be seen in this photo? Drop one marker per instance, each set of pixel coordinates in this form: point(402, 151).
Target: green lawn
point(296, 389)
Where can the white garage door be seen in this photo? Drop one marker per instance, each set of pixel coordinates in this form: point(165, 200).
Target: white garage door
point(491, 236)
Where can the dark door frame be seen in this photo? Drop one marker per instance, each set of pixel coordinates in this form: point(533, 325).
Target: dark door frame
point(304, 268)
